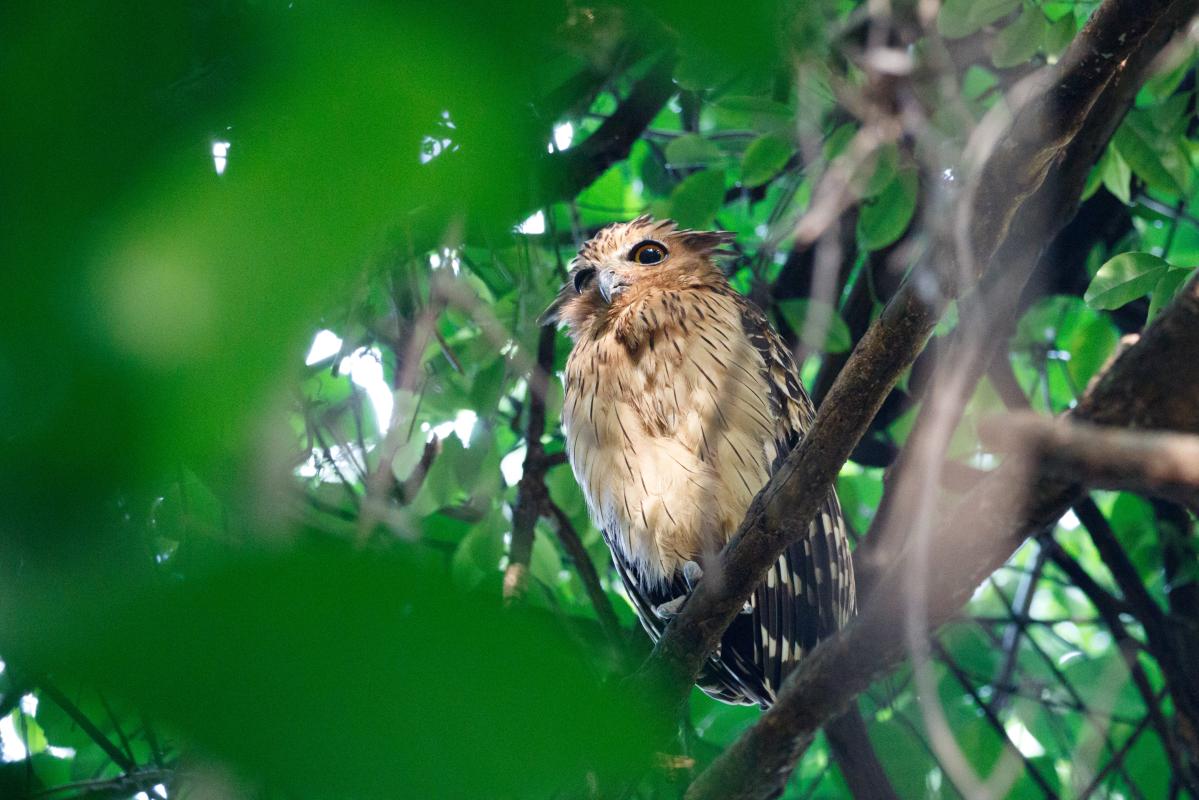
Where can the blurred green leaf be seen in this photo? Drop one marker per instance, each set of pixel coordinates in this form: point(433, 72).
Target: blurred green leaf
point(415, 679)
point(1144, 160)
point(1147, 761)
point(1021, 40)
point(886, 166)
point(906, 762)
point(1167, 287)
point(1060, 34)
point(1117, 176)
point(885, 217)
point(695, 201)
point(817, 324)
point(764, 157)
point(958, 18)
point(692, 150)
point(478, 555)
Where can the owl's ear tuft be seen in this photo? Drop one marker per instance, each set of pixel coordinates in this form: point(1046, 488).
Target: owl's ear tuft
point(551, 315)
point(707, 242)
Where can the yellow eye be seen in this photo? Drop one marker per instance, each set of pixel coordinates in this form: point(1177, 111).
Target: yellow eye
point(648, 252)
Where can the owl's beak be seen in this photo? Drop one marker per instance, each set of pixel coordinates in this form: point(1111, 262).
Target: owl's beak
point(610, 285)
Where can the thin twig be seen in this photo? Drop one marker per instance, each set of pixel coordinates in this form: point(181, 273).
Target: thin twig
point(993, 720)
point(85, 724)
point(531, 491)
point(573, 545)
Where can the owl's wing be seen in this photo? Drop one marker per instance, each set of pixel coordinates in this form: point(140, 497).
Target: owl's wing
point(809, 592)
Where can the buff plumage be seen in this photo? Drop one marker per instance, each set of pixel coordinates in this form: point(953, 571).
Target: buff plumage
point(680, 402)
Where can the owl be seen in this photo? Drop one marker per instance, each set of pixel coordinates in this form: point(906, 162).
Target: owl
point(680, 402)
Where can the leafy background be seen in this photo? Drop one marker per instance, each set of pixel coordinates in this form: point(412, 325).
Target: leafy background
point(273, 271)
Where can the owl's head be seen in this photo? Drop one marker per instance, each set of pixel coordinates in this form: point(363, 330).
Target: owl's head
point(625, 260)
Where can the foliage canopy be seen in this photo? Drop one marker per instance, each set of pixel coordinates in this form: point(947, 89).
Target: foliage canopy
point(270, 335)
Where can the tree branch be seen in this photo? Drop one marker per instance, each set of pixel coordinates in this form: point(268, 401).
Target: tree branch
point(564, 175)
point(781, 511)
point(1159, 463)
point(987, 315)
point(999, 514)
point(55, 695)
point(530, 492)
point(573, 545)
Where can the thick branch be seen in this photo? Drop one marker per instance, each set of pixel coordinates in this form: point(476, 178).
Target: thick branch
point(1160, 463)
point(982, 533)
point(1061, 105)
point(780, 513)
point(987, 314)
point(564, 175)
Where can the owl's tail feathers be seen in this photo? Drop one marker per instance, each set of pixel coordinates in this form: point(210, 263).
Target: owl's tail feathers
point(855, 755)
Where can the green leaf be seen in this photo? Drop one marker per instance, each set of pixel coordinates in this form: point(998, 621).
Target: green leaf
point(545, 563)
point(692, 149)
point(1165, 83)
point(1090, 338)
point(697, 71)
point(827, 332)
point(886, 164)
point(977, 81)
point(1147, 762)
point(960, 18)
point(1117, 176)
point(31, 733)
point(1145, 161)
point(1123, 279)
point(764, 157)
point(884, 218)
point(907, 763)
point(478, 554)
point(1167, 286)
point(755, 106)
point(1021, 40)
point(836, 142)
point(695, 201)
point(1059, 36)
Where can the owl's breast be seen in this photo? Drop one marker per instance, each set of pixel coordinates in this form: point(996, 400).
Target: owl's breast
point(671, 442)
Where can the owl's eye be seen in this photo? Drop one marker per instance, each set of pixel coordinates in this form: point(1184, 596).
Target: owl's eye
point(648, 252)
point(582, 278)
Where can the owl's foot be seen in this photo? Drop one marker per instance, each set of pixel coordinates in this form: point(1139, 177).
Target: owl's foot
point(692, 572)
point(670, 609)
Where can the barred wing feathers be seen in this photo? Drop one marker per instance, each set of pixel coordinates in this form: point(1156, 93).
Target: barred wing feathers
point(809, 593)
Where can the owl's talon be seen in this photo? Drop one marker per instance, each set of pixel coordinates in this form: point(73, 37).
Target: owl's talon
point(670, 609)
point(692, 572)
